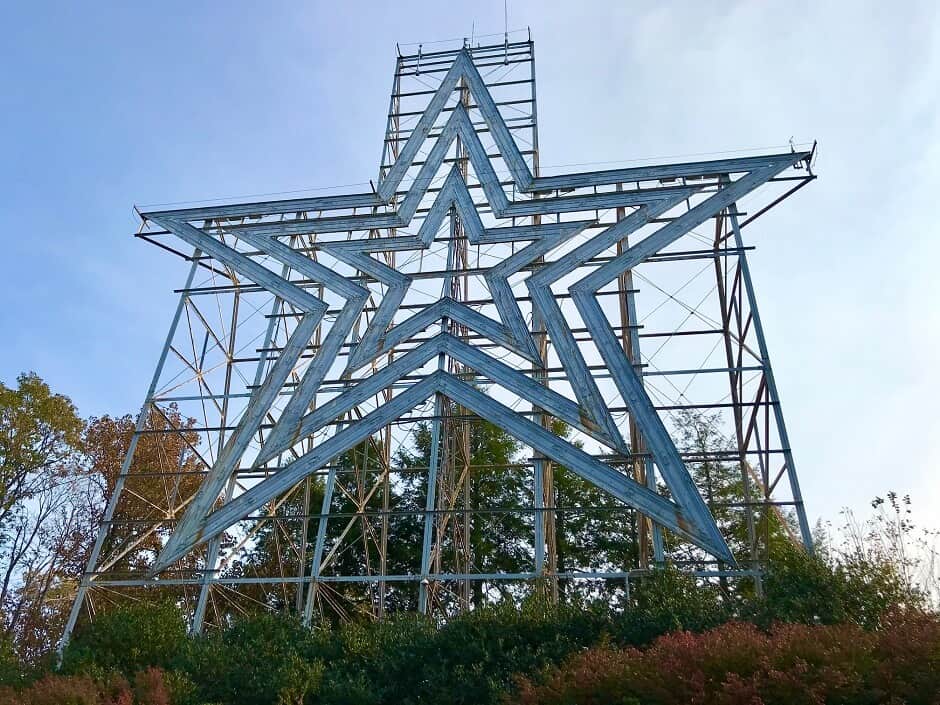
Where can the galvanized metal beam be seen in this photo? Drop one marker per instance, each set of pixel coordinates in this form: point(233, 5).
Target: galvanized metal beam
point(670, 515)
point(663, 449)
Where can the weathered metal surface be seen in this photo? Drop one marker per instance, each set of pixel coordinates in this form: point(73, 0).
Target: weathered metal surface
point(616, 483)
point(388, 352)
point(382, 336)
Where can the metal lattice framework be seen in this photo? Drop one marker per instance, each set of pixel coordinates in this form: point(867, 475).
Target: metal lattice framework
point(313, 335)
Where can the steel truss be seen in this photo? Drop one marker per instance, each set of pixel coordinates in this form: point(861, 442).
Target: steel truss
point(314, 335)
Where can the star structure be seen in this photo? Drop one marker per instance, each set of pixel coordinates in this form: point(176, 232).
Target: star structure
point(684, 512)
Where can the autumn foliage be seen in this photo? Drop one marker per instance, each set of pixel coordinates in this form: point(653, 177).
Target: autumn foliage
point(739, 664)
point(148, 688)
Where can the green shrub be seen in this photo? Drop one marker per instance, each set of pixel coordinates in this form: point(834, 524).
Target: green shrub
point(668, 600)
point(261, 660)
point(377, 662)
point(127, 640)
point(477, 657)
point(799, 588)
point(477, 654)
point(804, 589)
point(470, 659)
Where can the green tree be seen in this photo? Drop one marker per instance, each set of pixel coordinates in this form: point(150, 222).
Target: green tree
point(57, 473)
point(494, 491)
point(42, 485)
point(40, 434)
point(731, 490)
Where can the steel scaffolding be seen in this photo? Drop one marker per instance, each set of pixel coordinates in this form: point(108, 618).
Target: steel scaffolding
point(468, 289)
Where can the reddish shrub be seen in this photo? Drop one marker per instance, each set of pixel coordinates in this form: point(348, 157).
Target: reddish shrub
point(908, 659)
point(737, 664)
point(150, 688)
point(70, 690)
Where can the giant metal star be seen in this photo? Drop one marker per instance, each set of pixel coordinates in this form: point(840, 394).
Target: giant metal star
point(684, 513)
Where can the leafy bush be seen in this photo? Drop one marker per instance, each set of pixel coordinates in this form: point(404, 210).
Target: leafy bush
point(470, 659)
point(261, 660)
point(805, 589)
point(668, 600)
point(739, 664)
point(476, 655)
point(127, 640)
point(479, 656)
point(377, 663)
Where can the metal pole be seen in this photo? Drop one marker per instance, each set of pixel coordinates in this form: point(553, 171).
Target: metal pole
point(544, 474)
point(87, 576)
point(434, 465)
point(430, 504)
point(643, 467)
point(320, 542)
point(805, 532)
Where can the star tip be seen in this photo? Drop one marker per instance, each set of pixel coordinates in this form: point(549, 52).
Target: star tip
point(158, 567)
point(724, 554)
point(531, 352)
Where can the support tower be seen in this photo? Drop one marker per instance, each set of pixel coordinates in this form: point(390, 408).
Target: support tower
point(478, 378)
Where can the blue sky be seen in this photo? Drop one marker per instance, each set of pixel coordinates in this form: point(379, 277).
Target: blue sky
point(107, 105)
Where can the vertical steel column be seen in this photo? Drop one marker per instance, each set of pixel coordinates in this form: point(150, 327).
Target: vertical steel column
point(430, 501)
point(538, 499)
point(87, 577)
point(728, 306)
point(320, 541)
point(433, 467)
point(304, 540)
point(212, 558)
point(773, 397)
point(643, 469)
point(460, 291)
point(392, 146)
point(308, 488)
point(543, 470)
